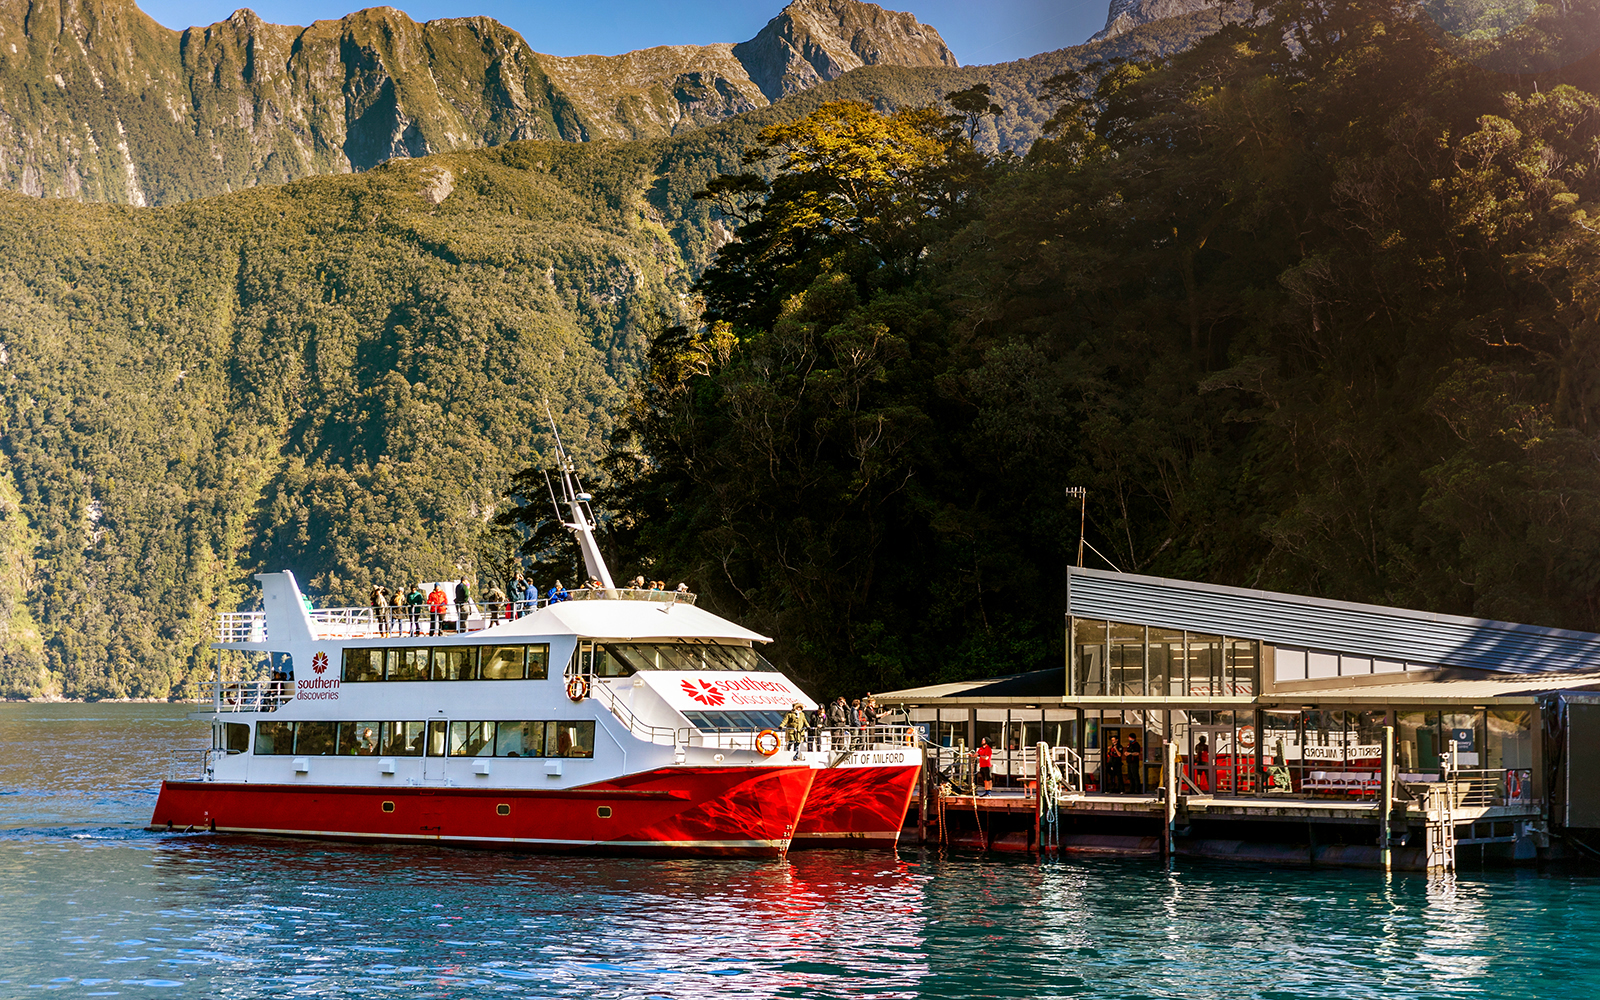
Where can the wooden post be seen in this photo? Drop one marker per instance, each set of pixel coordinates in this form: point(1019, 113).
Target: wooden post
point(922, 799)
point(1386, 799)
point(1169, 768)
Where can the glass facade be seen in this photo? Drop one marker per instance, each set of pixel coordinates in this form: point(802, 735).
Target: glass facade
point(1133, 661)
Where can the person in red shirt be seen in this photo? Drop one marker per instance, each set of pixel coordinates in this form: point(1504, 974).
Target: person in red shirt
point(986, 765)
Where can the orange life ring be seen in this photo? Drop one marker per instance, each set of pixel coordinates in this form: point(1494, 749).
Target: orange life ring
point(767, 743)
point(577, 687)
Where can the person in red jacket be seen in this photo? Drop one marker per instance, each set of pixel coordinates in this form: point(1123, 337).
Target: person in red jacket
point(986, 765)
point(438, 604)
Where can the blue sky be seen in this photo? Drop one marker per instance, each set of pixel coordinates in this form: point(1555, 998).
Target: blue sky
point(978, 31)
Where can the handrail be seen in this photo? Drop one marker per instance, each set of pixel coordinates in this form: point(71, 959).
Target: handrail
point(363, 622)
point(603, 693)
point(248, 696)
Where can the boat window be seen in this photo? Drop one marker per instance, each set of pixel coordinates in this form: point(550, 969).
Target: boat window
point(407, 664)
point(569, 739)
point(450, 663)
point(519, 739)
point(235, 737)
point(315, 738)
point(363, 665)
point(274, 738)
point(503, 663)
point(621, 659)
point(436, 736)
point(454, 663)
point(401, 739)
point(358, 739)
point(538, 661)
point(736, 721)
point(471, 739)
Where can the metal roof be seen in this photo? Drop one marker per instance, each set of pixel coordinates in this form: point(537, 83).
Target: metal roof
point(623, 620)
point(1416, 637)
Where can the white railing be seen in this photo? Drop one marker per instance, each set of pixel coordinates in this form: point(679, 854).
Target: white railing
point(249, 696)
point(603, 693)
point(367, 622)
point(242, 626)
point(1067, 762)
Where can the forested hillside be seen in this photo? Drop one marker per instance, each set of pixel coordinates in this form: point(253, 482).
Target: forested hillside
point(337, 376)
point(1312, 305)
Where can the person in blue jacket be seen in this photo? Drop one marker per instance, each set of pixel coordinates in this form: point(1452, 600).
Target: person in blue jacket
point(557, 594)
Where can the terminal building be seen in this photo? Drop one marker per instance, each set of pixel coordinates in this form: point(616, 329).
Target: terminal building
point(1284, 699)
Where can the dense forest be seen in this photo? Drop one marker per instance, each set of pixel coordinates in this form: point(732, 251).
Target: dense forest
point(1311, 305)
point(339, 375)
point(1305, 302)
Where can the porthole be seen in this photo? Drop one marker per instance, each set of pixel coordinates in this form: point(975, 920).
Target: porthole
point(604, 812)
point(503, 809)
point(388, 807)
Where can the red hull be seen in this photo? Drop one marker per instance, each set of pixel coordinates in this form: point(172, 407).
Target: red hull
point(733, 811)
point(857, 807)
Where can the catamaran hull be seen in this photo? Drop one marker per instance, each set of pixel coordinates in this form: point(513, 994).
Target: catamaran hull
point(729, 812)
point(857, 806)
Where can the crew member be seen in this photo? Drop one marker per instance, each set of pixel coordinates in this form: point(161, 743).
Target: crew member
point(986, 765)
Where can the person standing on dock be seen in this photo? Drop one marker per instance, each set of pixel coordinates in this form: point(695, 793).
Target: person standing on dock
point(1111, 770)
point(986, 765)
point(1133, 755)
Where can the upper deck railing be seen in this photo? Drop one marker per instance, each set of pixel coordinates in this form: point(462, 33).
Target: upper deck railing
point(371, 622)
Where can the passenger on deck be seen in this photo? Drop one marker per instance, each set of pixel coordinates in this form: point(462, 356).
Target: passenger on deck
point(498, 608)
point(380, 609)
point(414, 604)
point(557, 594)
point(519, 594)
point(638, 583)
point(438, 604)
point(397, 611)
point(463, 603)
point(839, 718)
point(794, 725)
point(683, 588)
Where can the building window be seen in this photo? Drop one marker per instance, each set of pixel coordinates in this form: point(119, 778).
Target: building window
point(1088, 657)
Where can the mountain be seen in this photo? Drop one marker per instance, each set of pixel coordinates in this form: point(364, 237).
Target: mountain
point(1125, 15)
point(339, 374)
point(98, 102)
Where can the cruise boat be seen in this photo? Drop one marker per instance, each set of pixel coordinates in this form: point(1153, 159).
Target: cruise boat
point(615, 720)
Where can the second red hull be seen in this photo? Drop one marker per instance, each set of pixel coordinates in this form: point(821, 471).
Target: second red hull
point(857, 807)
point(734, 811)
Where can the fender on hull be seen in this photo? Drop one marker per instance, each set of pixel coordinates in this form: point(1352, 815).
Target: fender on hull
point(730, 811)
point(857, 807)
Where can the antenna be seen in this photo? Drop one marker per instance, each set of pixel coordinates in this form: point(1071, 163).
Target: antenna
point(577, 503)
point(1082, 495)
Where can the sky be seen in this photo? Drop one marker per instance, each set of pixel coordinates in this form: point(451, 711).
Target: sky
point(977, 31)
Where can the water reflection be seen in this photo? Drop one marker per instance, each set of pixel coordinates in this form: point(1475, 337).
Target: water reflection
point(94, 906)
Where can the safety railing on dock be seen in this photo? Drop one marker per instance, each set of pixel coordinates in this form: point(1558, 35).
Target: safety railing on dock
point(249, 696)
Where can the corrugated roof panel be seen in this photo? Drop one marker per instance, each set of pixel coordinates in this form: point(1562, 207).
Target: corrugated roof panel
point(1335, 626)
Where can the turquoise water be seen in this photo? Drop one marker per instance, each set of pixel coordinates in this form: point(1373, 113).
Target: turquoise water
point(90, 905)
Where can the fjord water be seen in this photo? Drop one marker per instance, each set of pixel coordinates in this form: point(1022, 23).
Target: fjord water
point(91, 905)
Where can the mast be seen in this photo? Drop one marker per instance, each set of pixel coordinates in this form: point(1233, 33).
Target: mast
point(577, 503)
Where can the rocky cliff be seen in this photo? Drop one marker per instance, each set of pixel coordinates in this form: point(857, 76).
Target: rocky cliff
point(1125, 15)
point(98, 102)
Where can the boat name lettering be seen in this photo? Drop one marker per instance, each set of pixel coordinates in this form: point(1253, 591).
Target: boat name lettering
point(881, 757)
point(317, 689)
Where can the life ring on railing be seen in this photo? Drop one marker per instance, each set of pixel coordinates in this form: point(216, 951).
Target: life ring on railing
point(767, 743)
point(911, 737)
point(577, 687)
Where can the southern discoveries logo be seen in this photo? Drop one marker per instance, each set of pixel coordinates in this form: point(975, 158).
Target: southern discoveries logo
point(318, 688)
point(747, 691)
